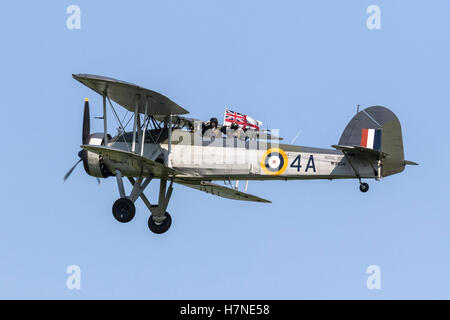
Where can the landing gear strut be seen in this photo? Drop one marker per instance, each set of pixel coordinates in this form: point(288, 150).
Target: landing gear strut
point(159, 220)
point(123, 209)
point(363, 187)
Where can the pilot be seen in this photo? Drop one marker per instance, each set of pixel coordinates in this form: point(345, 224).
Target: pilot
point(211, 128)
point(213, 123)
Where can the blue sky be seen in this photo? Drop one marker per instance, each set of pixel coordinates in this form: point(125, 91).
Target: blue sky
point(296, 65)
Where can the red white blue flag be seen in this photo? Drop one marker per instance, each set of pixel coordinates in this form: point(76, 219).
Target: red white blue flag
point(371, 138)
point(242, 120)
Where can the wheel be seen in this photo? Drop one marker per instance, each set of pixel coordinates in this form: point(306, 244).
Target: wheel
point(162, 227)
point(364, 187)
point(123, 210)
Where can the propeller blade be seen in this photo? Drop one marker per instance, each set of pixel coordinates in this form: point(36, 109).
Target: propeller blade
point(86, 123)
point(98, 181)
point(71, 170)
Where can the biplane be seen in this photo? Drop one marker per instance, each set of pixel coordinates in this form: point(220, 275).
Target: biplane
point(166, 145)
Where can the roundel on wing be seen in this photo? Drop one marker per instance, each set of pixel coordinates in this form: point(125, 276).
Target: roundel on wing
point(274, 161)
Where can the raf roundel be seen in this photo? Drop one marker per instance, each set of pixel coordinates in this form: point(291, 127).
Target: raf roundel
point(274, 161)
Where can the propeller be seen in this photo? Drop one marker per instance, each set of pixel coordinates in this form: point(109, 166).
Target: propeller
point(73, 168)
point(84, 139)
point(86, 122)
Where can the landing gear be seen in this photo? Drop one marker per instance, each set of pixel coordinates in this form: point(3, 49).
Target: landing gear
point(160, 220)
point(364, 187)
point(159, 224)
point(123, 210)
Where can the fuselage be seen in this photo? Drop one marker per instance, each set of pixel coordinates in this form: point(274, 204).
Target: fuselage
point(219, 158)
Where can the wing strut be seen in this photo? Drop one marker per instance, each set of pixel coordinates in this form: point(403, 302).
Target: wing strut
point(145, 126)
point(169, 147)
point(136, 108)
point(105, 128)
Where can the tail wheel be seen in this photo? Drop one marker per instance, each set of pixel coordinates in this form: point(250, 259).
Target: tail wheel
point(364, 187)
point(123, 210)
point(162, 227)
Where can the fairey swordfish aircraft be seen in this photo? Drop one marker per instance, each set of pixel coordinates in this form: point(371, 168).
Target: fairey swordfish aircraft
point(170, 147)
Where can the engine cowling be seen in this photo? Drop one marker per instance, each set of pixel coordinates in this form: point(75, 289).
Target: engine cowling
point(92, 162)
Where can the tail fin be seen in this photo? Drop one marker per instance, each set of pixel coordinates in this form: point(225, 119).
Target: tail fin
point(377, 128)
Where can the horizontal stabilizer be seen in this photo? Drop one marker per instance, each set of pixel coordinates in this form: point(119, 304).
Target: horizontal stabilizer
point(412, 163)
point(221, 191)
point(358, 150)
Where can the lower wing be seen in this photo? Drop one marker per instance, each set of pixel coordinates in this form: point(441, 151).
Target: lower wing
point(220, 191)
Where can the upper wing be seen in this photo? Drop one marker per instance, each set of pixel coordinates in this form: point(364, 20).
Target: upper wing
point(125, 94)
point(145, 165)
point(221, 191)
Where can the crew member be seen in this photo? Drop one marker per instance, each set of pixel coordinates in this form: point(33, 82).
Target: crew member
point(211, 128)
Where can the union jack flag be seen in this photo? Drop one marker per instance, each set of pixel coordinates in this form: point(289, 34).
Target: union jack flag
point(242, 120)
